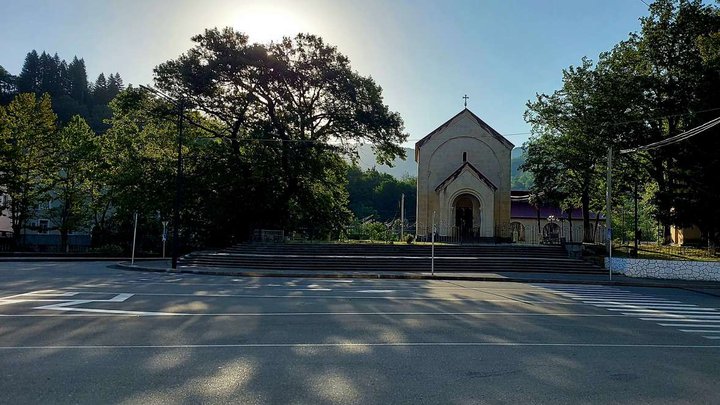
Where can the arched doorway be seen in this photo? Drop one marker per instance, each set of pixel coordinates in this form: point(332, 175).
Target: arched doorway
point(517, 231)
point(467, 216)
point(551, 233)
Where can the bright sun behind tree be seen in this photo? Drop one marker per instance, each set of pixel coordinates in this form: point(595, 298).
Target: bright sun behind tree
point(265, 23)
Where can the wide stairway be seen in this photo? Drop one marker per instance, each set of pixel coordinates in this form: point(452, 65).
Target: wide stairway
point(398, 257)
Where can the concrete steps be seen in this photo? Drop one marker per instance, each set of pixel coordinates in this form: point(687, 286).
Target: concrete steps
point(409, 258)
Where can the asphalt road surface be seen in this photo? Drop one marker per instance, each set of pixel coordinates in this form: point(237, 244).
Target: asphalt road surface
point(85, 333)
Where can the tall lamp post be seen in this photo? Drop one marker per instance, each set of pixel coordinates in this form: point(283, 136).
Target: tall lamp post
point(178, 189)
point(179, 178)
point(182, 118)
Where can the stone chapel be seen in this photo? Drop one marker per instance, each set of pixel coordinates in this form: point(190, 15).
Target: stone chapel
point(464, 179)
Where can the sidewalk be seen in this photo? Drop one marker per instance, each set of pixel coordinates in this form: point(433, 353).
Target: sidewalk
point(706, 287)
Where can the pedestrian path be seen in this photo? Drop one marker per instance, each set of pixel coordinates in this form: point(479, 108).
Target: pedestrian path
point(688, 318)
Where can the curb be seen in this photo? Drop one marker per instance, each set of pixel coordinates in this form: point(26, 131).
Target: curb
point(71, 259)
point(438, 276)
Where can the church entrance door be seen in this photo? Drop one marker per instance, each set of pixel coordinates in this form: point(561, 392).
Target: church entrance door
point(465, 222)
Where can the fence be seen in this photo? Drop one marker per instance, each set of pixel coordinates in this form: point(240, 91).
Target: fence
point(269, 236)
point(514, 232)
point(668, 252)
point(51, 243)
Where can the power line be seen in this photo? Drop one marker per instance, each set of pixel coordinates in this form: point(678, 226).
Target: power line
point(675, 139)
point(618, 122)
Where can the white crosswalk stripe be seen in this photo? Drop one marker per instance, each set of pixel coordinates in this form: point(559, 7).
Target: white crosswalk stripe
point(688, 318)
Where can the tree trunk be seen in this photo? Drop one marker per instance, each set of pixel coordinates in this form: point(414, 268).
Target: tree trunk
point(587, 228)
point(63, 240)
point(597, 222)
point(570, 224)
point(17, 222)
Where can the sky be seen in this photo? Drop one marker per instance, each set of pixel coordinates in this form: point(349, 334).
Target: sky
point(425, 54)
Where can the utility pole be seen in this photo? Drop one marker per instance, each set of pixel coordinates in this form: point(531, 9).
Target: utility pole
point(132, 258)
point(635, 230)
point(608, 216)
point(402, 217)
point(178, 189)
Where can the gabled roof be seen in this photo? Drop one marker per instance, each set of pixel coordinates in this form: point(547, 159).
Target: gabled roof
point(477, 119)
point(457, 173)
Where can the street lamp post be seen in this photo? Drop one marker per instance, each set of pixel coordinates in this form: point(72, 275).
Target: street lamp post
point(178, 190)
point(180, 104)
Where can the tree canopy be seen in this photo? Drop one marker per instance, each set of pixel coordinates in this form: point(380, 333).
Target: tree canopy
point(67, 85)
point(286, 113)
point(656, 84)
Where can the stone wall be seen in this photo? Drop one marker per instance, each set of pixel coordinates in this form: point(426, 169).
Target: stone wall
point(666, 269)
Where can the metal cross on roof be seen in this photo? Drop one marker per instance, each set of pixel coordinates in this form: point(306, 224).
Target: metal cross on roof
point(465, 97)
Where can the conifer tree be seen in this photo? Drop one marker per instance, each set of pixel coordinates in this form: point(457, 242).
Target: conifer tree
point(7, 86)
point(100, 90)
point(77, 80)
point(29, 78)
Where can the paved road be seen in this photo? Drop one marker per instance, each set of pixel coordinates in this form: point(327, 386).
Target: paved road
point(84, 333)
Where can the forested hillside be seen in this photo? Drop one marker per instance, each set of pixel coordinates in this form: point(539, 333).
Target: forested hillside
point(68, 86)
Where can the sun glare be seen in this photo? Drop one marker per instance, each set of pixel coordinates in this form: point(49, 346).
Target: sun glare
point(268, 24)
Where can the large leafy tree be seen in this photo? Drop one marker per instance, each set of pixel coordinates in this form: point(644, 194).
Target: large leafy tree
point(75, 153)
point(137, 170)
point(286, 113)
point(27, 126)
point(565, 155)
point(669, 77)
point(137, 167)
point(654, 85)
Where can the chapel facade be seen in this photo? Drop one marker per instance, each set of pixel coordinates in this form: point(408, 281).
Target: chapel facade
point(464, 180)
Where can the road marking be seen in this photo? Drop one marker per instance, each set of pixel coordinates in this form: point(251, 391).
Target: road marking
point(711, 337)
point(663, 311)
point(680, 319)
point(592, 295)
point(353, 297)
point(667, 308)
point(118, 298)
point(607, 304)
point(699, 330)
point(41, 293)
point(114, 311)
point(687, 325)
point(350, 344)
point(316, 297)
point(70, 306)
point(260, 314)
point(648, 308)
point(692, 315)
point(652, 302)
point(375, 291)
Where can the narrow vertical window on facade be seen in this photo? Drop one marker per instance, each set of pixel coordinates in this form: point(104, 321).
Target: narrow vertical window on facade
point(464, 157)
